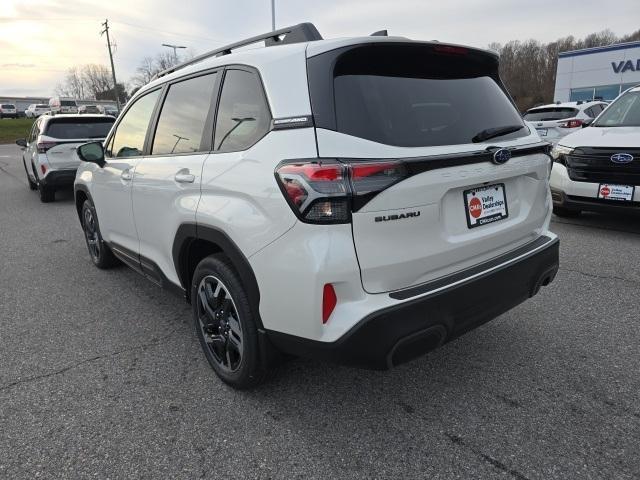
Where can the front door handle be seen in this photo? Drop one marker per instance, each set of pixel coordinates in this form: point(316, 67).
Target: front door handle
point(183, 176)
point(126, 175)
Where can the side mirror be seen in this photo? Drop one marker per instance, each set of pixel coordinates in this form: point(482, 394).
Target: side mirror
point(92, 152)
point(587, 122)
point(21, 142)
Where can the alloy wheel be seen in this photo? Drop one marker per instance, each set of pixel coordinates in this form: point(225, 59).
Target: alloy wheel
point(219, 323)
point(91, 233)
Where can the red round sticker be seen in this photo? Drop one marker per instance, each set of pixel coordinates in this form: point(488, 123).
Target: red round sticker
point(475, 207)
point(604, 191)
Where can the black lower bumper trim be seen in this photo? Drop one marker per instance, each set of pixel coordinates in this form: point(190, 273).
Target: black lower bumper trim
point(589, 204)
point(59, 178)
point(410, 329)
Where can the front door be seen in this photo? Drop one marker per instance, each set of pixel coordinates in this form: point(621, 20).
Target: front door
point(112, 184)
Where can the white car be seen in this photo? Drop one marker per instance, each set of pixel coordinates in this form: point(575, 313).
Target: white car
point(63, 105)
point(557, 120)
point(35, 110)
point(49, 153)
point(598, 168)
point(8, 110)
point(359, 200)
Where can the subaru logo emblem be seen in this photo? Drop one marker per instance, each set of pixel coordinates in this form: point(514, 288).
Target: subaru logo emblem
point(622, 158)
point(501, 156)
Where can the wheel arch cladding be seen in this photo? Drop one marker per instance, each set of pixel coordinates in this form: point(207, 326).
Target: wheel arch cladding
point(194, 242)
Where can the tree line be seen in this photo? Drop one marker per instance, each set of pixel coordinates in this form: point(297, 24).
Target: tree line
point(528, 68)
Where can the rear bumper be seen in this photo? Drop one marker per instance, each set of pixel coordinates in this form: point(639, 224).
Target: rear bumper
point(59, 178)
point(409, 329)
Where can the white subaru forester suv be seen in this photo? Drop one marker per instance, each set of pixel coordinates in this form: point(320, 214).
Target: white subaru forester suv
point(359, 200)
point(598, 168)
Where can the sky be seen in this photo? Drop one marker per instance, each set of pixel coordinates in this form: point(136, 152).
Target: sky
point(41, 39)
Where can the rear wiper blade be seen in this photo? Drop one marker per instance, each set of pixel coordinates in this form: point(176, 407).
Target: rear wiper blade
point(495, 132)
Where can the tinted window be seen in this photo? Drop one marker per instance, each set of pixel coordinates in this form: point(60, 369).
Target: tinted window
point(68, 103)
point(75, 128)
point(42, 106)
point(550, 113)
point(243, 114)
point(624, 112)
point(6, 105)
point(129, 138)
point(416, 97)
point(183, 116)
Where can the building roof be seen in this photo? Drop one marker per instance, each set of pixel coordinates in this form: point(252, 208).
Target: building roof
point(608, 48)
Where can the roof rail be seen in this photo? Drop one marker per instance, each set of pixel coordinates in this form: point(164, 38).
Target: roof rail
point(303, 32)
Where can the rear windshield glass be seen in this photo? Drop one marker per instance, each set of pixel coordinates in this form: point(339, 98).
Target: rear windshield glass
point(550, 113)
point(79, 128)
point(42, 106)
point(417, 97)
point(624, 112)
point(6, 105)
point(68, 103)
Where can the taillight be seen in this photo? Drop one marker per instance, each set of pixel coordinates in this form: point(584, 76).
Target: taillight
point(43, 169)
point(329, 301)
point(326, 190)
point(571, 123)
point(44, 146)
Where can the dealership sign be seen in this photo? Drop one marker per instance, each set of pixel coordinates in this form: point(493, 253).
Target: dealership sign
point(622, 66)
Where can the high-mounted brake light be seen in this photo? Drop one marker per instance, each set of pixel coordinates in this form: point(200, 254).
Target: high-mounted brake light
point(329, 301)
point(44, 146)
point(326, 190)
point(450, 49)
point(571, 123)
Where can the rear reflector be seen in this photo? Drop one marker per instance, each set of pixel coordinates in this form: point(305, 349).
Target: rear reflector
point(329, 301)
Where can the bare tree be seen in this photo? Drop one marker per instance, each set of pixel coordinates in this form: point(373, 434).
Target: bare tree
point(151, 66)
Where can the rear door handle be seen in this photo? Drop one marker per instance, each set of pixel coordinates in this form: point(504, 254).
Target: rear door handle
point(126, 175)
point(183, 176)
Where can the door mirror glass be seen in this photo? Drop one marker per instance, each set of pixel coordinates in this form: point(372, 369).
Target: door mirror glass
point(21, 142)
point(92, 152)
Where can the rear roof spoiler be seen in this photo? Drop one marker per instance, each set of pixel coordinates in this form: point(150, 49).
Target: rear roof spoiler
point(302, 32)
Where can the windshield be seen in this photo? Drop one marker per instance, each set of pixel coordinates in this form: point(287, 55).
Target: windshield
point(7, 105)
point(624, 112)
point(417, 96)
point(79, 128)
point(550, 113)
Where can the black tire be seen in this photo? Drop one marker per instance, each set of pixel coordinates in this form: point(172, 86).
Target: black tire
point(32, 185)
point(214, 326)
point(100, 253)
point(566, 212)
point(47, 194)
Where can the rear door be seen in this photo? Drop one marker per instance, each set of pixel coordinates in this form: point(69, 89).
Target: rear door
point(65, 134)
point(438, 204)
point(166, 185)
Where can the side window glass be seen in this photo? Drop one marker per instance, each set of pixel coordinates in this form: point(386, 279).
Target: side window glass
point(128, 140)
point(243, 114)
point(183, 116)
point(590, 112)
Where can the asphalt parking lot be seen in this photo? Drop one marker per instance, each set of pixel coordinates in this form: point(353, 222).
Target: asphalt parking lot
point(101, 376)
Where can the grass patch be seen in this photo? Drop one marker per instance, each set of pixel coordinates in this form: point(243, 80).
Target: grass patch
point(13, 128)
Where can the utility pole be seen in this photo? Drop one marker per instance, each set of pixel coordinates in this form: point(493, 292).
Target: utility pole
point(113, 70)
point(175, 50)
point(273, 15)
